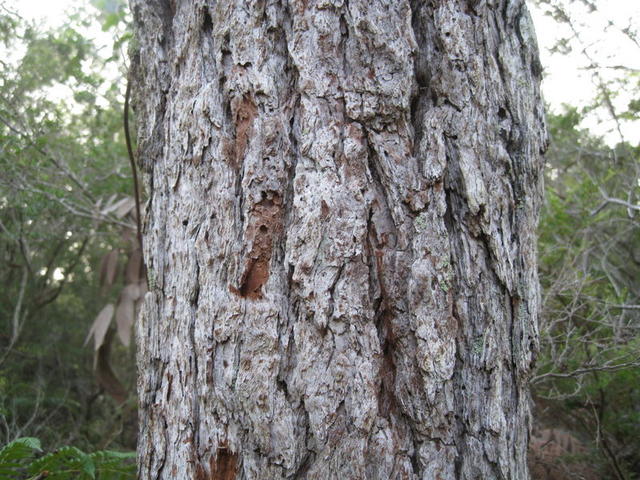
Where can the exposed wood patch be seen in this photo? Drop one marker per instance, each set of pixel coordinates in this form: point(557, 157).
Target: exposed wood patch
point(224, 465)
point(244, 111)
point(266, 225)
point(201, 473)
point(324, 210)
point(255, 276)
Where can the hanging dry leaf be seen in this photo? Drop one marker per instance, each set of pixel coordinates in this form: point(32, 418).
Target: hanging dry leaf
point(104, 373)
point(132, 291)
point(103, 268)
point(143, 288)
point(109, 268)
point(127, 206)
point(117, 207)
point(128, 235)
point(125, 316)
point(134, 213)
point(100, 326)
point(134, 266)
point(109, 203)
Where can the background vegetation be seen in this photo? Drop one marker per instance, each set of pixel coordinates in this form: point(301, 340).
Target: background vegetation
point(71, 275)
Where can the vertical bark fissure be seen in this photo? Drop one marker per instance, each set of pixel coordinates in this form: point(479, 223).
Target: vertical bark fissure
point(380, 307)
point(195, 387)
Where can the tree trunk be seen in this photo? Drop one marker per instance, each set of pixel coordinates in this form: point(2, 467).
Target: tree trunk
point(340, 237)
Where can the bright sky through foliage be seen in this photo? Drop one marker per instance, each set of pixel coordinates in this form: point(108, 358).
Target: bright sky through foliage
point(567, 80)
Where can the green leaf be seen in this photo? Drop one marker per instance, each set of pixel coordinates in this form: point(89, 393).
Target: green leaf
point(19, 449)
point(88, 466)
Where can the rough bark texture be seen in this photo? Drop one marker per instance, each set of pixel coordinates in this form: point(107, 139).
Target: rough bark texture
point(340, 236)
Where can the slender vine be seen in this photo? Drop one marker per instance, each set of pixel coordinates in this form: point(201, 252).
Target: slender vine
point(136, 190)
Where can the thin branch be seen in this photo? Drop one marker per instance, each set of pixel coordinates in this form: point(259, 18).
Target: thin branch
point(616, 201)
point(581, 371)
point(16, 324)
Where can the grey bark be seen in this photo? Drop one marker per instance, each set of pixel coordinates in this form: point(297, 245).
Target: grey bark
point(340, 237)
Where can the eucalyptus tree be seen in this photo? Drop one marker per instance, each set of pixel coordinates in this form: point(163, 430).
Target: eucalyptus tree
point(340, 237)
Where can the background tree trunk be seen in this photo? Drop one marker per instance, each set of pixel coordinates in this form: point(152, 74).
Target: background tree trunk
point(340, 237)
